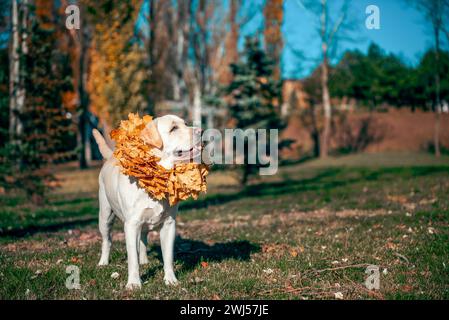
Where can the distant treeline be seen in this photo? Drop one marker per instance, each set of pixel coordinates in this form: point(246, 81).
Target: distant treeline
point(372, 79)
point(377, 78)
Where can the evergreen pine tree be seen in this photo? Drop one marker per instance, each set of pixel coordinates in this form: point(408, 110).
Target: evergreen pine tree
point(254, 95)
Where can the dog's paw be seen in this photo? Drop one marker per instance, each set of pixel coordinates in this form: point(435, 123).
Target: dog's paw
point(103, 262)
point(133, 286)
point(171, 280)
point(143, 260)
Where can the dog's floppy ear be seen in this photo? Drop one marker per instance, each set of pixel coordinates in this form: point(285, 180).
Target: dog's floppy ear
point(150, 135)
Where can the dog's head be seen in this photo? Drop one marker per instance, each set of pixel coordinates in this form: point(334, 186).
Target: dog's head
point(173, 140)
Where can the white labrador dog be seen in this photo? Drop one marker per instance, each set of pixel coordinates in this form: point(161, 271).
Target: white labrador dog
point(120, 196)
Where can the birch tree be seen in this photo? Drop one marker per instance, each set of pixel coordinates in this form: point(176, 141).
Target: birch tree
point(18, 50)
point(39, 127)
point(214, 36)
point(330, 29)
point(179, 51)
point(206, 41)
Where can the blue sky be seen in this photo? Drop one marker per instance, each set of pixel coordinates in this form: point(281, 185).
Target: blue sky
point(403, 31)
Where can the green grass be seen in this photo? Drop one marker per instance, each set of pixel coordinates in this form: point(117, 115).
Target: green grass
point(306, 233)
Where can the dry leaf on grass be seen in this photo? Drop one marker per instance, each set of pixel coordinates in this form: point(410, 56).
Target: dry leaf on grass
point(75, 260)
point(397, 198)
point(406, 288)
point(391, 246)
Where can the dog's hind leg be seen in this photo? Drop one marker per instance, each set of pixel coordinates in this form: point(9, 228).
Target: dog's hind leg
point(105, 221)
point(143, 257)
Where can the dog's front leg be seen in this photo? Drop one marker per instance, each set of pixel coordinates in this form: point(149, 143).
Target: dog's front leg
point(167, 235)
point(132, 235)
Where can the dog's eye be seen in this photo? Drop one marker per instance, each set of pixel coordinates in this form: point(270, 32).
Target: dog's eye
point(173, 129)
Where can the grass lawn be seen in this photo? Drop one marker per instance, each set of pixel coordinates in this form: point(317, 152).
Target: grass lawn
point(307, 233)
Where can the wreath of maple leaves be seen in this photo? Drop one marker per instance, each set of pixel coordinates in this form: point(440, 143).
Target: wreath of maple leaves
point(136, 159)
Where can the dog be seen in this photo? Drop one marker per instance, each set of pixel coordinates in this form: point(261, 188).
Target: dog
point(120, 196)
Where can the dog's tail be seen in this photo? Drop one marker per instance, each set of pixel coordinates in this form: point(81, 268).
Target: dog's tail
point(105, 151)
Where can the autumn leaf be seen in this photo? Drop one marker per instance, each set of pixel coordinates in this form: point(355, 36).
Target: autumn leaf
point(74, 260)
point(391, 246)
point(406, 288)
point(397, 198)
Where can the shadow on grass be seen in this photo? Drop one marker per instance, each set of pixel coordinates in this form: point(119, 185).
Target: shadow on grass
point(192, 252)
point(325, 179)
point(33, 229)
point(261, 189)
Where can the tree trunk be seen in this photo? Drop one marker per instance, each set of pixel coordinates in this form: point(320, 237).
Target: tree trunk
point(152, 24)
point(83, 137)
point(245, 175)
point(315, 134)
point(196, 112)
point(274, 14)
point(185, 56)
point(24, 51)
point(19, 48)
point(181, 47)
point(14, 67)
point(176, 87)
point(324, 150)
point(327, 108)
point(436, 138)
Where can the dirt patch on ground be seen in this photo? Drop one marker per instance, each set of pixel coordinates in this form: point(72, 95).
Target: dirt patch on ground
point(211, 226)
point(71, 239)
point(76, 238)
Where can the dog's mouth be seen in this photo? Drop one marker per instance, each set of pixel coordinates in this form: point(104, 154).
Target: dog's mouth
point(188, 154)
